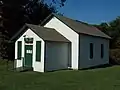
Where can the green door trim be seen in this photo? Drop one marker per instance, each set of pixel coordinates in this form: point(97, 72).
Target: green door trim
point(28, 56)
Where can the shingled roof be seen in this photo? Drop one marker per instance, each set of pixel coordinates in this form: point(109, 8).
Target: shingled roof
point(47, 34)
point(78, 26)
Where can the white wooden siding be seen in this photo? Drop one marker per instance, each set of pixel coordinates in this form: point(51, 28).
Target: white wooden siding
point(37, 66)
point(85, 60)
point(56, 56)
point(70, 35)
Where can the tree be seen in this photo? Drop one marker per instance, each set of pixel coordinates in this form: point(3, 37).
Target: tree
point(15, 13)
point(19, 12)
point(113, 30)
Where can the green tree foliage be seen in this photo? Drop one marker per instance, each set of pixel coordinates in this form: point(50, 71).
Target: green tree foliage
point(15, 13)
point(113, 30)
point(18, 12)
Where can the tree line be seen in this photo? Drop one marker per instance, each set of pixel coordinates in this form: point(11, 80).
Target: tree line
point(113, 30)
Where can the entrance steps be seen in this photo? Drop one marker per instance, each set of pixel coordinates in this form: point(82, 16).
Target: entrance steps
point(23, 69)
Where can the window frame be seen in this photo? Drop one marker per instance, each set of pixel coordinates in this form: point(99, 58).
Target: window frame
point(102, 50)
point(91, 50)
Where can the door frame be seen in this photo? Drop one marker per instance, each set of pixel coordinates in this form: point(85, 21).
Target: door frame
point(24, 65)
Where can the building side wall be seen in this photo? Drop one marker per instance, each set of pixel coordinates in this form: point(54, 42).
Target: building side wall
point(85, 60)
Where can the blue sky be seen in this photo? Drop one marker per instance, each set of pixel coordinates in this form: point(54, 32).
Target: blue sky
point(92, 11)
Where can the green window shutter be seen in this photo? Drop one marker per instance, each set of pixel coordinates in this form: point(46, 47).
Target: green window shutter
point(19, 49)
point(38, 50)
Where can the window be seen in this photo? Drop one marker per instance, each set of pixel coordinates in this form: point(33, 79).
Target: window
point(19, 49)
point(38, 50)
point(91, 50)
point(102, 50)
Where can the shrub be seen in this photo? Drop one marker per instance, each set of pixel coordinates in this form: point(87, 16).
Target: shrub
point(115, 56)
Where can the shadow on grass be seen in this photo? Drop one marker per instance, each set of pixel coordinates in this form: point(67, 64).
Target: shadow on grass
point(94, 67)
point(99, 66)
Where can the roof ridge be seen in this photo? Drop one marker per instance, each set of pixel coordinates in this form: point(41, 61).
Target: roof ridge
point(81, 27)
point(40, 26)
point(85, 23)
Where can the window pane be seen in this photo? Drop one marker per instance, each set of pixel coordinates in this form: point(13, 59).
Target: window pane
point(91, 50)
point(102, 51)
point(38, 51)
point(19, 53)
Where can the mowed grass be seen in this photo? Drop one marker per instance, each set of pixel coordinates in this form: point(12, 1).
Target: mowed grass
point(94, 79)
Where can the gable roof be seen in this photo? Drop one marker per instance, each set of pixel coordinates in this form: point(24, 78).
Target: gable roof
point(47, 34)
point(78, 26)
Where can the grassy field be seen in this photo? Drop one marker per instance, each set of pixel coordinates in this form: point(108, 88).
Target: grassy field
point(94, 79)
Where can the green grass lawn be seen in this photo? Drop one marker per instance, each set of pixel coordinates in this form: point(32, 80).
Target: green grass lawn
point(94, 79)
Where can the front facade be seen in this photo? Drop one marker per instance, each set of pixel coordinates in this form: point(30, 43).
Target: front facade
point(28, 51)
